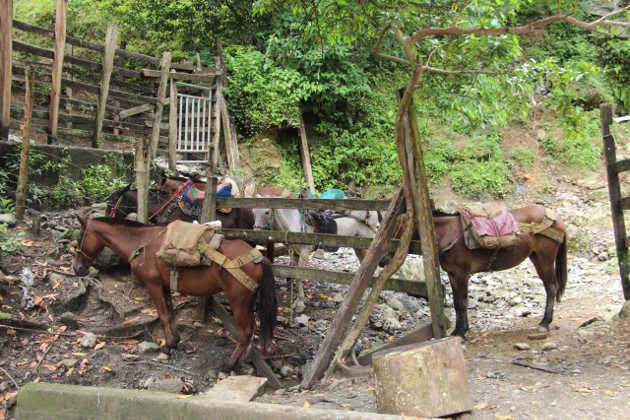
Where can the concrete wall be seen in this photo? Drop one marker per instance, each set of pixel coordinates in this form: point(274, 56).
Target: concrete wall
point(69, 402)
point(80, 157)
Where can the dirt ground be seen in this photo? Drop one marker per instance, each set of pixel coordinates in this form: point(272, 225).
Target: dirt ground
point(580, 369)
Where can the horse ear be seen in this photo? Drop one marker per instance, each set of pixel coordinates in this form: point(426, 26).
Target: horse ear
point(81, 220)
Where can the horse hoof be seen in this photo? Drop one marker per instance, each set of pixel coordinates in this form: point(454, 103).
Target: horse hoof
point(542, 328)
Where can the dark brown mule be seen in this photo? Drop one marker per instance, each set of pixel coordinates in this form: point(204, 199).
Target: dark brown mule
point(163, 208)
point(127, 238)
point(548, 256)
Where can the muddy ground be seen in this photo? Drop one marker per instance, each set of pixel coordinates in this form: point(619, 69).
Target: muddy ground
point(580, 369)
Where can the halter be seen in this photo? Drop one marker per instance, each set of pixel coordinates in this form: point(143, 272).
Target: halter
point(79, 249)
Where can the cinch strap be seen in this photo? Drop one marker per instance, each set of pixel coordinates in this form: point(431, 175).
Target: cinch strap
point(233, 266)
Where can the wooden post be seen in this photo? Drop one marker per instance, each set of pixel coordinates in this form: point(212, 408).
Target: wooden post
point(6, 56)
point(231, 143)
point(108, 65)
point(20, 193)
point(360, 282)
point(57, 69)
point(217, 117)
point(172, 127)
point(142, 180)
point(614, 192)
point(306, 156)
point(165, 65)
point(424, 216)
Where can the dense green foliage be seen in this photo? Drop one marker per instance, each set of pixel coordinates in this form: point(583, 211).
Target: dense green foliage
point(291, 59)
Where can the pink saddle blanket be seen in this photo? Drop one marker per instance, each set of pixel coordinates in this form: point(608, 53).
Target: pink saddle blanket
point(500, 225)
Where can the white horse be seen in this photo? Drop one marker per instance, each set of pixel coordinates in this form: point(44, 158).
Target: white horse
point(292, 220)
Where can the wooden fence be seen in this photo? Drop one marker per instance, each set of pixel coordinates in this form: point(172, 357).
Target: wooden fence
point(84, 93)
point(414, 288)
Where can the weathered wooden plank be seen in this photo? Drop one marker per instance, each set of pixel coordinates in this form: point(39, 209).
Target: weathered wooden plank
point(622, 166)
point(305, 238)
point(413, 288)
point(306, 156)
point(165, 65)
point(51, 34)
point(117, 93)
point(172, 127)
point(126, 113)
point(31, 49)
point(6, 55)
point(296, 203)
point(108, 63)
point(57, 69)
point(617, 204)
point(622, 119)
point(208, 77)
point(20, 193)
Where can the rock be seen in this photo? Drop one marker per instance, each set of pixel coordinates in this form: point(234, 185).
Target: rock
point(68, 363)
point(236, 388)
point(171, 385)
point(394, 303)
point(302, 319)
point(69, 319)
point(212, 374)
point(88, 340)
point(286, 371)
point(390, 319)
point(162, 357)
point(522, 346)
point(8, 219)
point(148, 347)
point(549, 346)
point(624, 313)
point(319, 254)
point(73, 298)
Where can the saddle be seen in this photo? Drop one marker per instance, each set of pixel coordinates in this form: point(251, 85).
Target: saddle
point(191, 199)
point(489, 226)
point(192, 245)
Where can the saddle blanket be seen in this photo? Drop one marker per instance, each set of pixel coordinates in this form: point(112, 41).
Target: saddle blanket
point(192, 192)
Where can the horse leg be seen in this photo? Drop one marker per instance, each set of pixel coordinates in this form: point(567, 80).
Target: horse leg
point(301, 257)
point(459, 285)
point(546, 272)
point(244, 318)
point(162, 301)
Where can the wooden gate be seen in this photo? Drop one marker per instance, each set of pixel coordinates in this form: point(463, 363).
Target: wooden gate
point(194, 122)
point(617, 203)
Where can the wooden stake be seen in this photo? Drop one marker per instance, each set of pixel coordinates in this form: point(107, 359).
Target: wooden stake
point(306, 156)
point(6, 56)
point(57, 69)
point(172, 127)
point(165, 65)
point(20, 193)
point(142, 180)
point(108, 65)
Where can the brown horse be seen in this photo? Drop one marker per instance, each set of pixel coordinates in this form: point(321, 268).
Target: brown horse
point(548, 256)
point(139, 243)
point(164, 208)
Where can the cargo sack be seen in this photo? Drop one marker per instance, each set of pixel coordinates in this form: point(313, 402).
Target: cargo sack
point(489, 226)
point(184, 243)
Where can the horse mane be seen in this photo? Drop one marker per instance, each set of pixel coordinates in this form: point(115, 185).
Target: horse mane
point(121, 222)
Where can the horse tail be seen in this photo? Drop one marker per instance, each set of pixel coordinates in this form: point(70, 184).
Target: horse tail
point(267, 304)
point(561, 268)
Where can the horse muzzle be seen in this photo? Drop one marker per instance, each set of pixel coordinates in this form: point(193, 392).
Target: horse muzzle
point(80, 268)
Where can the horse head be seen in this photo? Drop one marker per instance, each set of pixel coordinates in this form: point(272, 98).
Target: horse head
point(114, 201)
point(89, 247)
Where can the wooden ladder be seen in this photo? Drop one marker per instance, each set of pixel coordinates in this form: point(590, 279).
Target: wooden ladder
point(617, 203)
